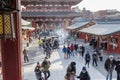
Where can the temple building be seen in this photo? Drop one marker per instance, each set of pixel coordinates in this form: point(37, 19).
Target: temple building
point(49, 14)
point(46, 13)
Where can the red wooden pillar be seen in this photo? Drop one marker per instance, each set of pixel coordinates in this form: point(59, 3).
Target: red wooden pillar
point(108, 44)
point(11, 50)
point(98, 41)
point(119, 44)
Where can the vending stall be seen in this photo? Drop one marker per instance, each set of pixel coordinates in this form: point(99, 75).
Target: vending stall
point(107, 36)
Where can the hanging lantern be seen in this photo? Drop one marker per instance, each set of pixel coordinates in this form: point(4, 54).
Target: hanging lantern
point(6, 21)
point(6, 25)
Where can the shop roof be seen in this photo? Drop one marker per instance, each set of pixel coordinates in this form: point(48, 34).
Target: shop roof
point(28, 28)
point(24, 22)
point(76, 25)
point(102, 29)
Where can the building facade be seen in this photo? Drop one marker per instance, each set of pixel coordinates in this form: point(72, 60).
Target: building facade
point(49, 14)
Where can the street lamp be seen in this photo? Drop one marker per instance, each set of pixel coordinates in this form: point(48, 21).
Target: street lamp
point(6, 20)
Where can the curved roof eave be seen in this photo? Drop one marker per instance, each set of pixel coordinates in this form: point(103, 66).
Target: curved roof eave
point(102, 30)
point(50, 14)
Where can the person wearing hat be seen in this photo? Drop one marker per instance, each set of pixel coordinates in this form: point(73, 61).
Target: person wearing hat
point(117, 68)
point(46, 65)
point(84, 74)
point(109, 67)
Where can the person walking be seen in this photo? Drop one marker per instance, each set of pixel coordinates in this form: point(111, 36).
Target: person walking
point(83, 50)
point(48, 50)
point(72, 49)
point(101, 55)
point(84, 74)
point(79, 50)
point(65, 52)
point(117, 68)
point(109, 67)
point(40, 42)
point(68, 52)
point(94, 59)
point(46, 65)
point(38, 72)
point(71, 71)
point(44, 47)
point(87, 58)
point(75, 48)
point(25, 53)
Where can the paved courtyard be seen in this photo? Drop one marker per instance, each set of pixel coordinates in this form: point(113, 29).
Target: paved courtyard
point(59, 64)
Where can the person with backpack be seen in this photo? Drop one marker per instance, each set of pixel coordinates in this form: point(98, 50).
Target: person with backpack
point(46, 65)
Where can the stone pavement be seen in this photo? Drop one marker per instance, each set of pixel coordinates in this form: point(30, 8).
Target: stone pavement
point(59, 64)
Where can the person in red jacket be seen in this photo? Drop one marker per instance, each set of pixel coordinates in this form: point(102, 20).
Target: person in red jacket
point(72, 49)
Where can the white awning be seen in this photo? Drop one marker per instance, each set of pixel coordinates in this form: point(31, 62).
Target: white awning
point(24, 22)
point(28, 27)
point(102, 29)
point(76, 25)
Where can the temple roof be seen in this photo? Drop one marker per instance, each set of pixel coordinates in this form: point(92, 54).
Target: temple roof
point(102, 29)
point(77, 25)
point(50, 14)
point(53, 0)
point(72, 2)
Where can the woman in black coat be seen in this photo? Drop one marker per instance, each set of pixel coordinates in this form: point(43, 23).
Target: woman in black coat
point(38, 72)
point(87, 58)
point(84, 75)
point(71, 71)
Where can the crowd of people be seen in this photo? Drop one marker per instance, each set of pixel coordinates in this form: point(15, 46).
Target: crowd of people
point(72, 50)
point(97, 55)
point(48, 45)
point(110, 65)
